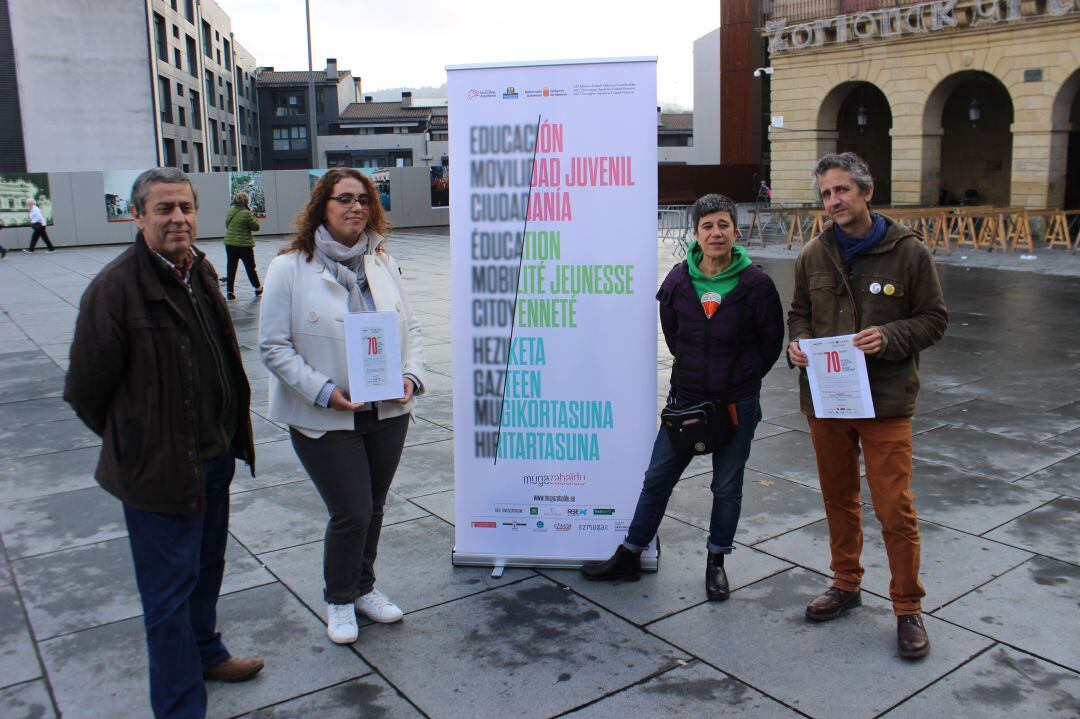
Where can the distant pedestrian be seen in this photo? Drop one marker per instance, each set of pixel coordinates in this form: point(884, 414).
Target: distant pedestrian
point(3, 250)
point(37, 221)
point(240, 244)
point(873, 278)
point(764, 193)
point(156, 372)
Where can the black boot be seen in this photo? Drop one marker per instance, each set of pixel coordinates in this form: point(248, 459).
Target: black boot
point(624, 564)
point(716, 584)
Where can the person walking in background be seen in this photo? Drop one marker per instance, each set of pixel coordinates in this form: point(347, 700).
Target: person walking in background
point(37, 221)
point(873, 278)
point(240, 244)
point(339, 263)
point(156, 372)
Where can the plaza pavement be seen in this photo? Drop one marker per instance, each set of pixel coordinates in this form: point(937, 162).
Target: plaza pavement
point(997, 481)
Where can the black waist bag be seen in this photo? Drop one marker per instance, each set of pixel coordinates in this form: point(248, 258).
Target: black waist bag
point(701, 428)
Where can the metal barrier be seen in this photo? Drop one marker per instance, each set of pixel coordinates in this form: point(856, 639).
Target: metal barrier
point(673, 227)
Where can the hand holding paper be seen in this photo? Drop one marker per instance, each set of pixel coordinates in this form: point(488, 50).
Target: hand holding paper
point(839, 383)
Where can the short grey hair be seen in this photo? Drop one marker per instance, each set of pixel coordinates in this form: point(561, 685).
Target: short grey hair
point(708, 204)
point(154, 175)
point(848, 161)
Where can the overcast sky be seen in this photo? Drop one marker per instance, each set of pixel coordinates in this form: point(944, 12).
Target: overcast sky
point(394, 43)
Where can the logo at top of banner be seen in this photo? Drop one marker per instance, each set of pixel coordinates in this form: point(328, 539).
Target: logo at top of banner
point(545, 91)
point(475, 94)
point(710, 302)
point(510, 94)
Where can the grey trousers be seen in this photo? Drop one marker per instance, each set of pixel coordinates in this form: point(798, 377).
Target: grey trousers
point(353, 469)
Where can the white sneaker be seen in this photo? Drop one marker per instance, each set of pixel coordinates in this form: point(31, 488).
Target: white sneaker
point(341, 623)
point(375, 606)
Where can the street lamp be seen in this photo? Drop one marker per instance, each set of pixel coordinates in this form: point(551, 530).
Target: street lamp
point(974, 111)
point(761, 71)
point(313, 127)
point(862, 119)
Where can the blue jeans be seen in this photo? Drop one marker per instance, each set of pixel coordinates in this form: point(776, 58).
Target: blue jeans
point(667, 466)
point(179, 563)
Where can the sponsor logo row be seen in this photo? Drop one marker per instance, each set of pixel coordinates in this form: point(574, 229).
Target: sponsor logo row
point(534, 511)
point(556, 526)
point(512, 93)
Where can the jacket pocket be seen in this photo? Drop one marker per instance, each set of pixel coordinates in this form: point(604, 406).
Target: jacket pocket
point(825, 282)
point(883, 299)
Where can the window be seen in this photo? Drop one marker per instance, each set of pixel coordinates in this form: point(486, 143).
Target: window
point(196, 111)
point(179, 89)
point(199, 156)
point(175, 28)
point(210, 87)
point(176, 58)
point(189, 10)
point(227, 51)
point(170, 152)
point(216, 168)
point(214, 141)
point(192, 62)
point(290, 138)
point(228, 94)
point(207, 43)
point(161, 43)
point(181, 120)
point(219, 57)
point(164, 99)
point(173, 3)
point(187, 167)
point(219, 82)
point(183, 146)
point(286, 104)
point(221, 101)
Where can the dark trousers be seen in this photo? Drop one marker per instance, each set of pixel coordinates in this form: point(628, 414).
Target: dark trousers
point(667, 466)
point(234, 255)
point(39, 234)
point(353, 469)
point(179, 563)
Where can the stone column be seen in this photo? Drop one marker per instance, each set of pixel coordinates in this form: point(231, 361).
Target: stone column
point(794, 154)
point(1038, 165)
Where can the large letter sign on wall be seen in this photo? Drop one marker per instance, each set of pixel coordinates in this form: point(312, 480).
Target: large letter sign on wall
point(553, 235)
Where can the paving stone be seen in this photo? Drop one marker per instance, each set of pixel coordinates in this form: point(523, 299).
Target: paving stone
point(1023, 392)
point(790, 456)
point(953, 563)
point(79, 588)
point(47, 474)
point(761, 637)
point(1002, 683)
point(533, 649)
point(765, 429)
point(275, 463)
point(369, 696)
point(680, 581)
point(1050, 530)
point(422, 431)
point(437, 410)
point(1040, 623)
point(290, 514)
point(694, 690)
point(29, 700)
point(770, 506)
point(425, 469)
point(983, 453)
point(1006, 420)
point(440, 504)
point(18, 661)
point(1062, 478)
point(929, 400)
point(969, 502)
point(1067, 440)
point(266, 431)
point(106, 665)
point(779, 399)
point(49, 409)
point(413, 568)
point(61, 521)
point(22, 440)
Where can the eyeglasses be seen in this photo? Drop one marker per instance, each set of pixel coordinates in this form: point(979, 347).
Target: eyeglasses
point(349, 200)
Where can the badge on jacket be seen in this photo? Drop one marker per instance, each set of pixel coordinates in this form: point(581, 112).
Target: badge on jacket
point(710, 302)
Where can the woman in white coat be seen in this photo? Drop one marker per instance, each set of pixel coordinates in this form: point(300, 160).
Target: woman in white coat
point(339, 263)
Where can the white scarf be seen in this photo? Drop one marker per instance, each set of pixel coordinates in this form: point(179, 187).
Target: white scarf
point(346, 264)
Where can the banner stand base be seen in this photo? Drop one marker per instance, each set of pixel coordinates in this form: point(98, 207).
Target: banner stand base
point(650, 561)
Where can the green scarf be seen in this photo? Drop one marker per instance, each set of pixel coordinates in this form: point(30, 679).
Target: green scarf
point(722, 283)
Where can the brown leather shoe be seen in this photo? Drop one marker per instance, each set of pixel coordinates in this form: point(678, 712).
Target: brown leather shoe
point(234, 669)
point(911, 639)
point(832, 604)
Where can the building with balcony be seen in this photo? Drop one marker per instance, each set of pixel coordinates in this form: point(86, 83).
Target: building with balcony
point(944, 98)
point(133, 84)
point(388, 134)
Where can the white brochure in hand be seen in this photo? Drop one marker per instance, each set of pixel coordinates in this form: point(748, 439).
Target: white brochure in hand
point(373, 350)
point(839, 384)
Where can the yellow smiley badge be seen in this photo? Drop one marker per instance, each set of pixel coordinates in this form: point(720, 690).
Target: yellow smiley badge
point(889, 290)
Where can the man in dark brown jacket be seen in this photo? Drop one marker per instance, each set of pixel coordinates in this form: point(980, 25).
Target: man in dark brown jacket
point(871, 277)
point(156, 372)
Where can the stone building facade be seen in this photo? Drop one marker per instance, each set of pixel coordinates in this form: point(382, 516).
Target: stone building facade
point(944, 98)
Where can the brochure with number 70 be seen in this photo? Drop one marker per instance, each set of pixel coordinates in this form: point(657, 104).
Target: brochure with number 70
point(839, 383)
point(373, 351)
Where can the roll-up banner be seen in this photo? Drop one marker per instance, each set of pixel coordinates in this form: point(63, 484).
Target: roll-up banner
point(553, 235)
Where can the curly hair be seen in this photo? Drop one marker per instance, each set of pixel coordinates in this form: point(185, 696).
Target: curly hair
point(314, 213)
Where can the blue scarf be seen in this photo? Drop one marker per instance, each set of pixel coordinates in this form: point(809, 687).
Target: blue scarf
point(852, 247)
